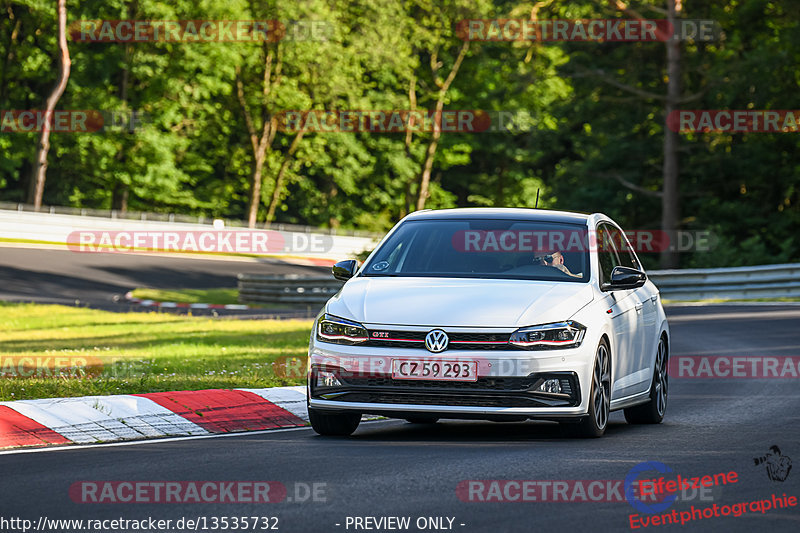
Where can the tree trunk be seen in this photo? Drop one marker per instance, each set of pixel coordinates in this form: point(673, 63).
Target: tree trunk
point(276, 194)
point(119, 198)
point(262, 143)
point(259, 145)
point(430, 153)
point(670, 202)
point(121, 191)
point(408, 199)
point(255, 192)
point(333, 192)
point(39, 171)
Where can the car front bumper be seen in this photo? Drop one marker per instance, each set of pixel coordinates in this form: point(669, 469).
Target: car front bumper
point(506, 387)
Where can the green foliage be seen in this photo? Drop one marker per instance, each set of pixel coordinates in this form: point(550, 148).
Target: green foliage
point(588, 117)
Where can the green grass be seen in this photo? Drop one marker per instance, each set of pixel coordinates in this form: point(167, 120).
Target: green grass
point(189, 296)
point(141, 352)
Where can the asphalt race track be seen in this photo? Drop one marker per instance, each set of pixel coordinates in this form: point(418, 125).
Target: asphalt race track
point(100, 280)
point(391, 468)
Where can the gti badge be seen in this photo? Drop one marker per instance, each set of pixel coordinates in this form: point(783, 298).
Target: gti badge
point(436, 341)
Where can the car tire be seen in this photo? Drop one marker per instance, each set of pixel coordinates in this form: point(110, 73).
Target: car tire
point(422, 420)
point(653, 411)
point(333, 424)
point(594, 424)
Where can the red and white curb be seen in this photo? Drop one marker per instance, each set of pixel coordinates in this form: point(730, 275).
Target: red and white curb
point(95, 419)
point(153, 303)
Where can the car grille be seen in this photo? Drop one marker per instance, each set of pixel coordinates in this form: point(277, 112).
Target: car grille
point(461, 341)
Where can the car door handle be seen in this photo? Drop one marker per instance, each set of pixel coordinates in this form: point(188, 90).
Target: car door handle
point(638, 308)
point(654, 298)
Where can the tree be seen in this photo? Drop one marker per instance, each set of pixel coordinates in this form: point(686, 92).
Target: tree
point(39, 173)
point(434, 37)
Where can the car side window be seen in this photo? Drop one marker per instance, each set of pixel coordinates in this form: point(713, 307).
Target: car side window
point(606, 252)
point(623, 249)
point(634, 261)
point(626, 256)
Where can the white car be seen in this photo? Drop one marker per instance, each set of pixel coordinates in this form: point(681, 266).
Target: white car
point(495, 314)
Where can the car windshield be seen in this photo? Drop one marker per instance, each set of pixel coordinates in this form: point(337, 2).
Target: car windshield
point(484, 248)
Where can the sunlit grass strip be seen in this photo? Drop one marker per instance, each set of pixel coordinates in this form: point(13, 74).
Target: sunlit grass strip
point(144, 352)
point(189, 296)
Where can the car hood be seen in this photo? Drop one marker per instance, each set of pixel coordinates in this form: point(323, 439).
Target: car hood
point(458, 302)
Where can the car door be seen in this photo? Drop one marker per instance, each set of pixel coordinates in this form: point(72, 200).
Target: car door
point(625, 308)
point(647, 295)
point(645, 307)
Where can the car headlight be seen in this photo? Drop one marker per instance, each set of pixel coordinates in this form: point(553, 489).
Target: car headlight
point(340, 331)
point(568, 334)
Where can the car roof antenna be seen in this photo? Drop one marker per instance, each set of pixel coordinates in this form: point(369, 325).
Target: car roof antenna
point(537, 199)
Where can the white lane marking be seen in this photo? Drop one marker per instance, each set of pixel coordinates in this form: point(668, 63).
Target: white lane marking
point(66, 448)
point(293, 399)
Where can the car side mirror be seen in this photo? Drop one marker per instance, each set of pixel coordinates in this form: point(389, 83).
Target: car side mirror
point(344, 270)
point(625, 278)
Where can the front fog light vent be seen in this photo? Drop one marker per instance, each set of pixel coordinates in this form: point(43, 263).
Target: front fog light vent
point(327, 379)
point(550, 385)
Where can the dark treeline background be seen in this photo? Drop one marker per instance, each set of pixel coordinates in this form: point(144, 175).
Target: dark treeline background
point(594, 140)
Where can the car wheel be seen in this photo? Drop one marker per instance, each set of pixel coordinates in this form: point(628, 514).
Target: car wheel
point(653, 411)
point(594, 425)
point(422, 420)
point(333, 424)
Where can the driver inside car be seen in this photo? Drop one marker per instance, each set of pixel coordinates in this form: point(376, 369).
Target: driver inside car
point(556, 260)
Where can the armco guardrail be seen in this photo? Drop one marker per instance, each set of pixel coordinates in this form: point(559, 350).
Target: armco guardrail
point(141, 216)
point(740, 283)
point(56, 228)
point(297, 290)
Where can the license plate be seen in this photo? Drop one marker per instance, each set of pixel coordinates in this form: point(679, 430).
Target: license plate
point(436, 370)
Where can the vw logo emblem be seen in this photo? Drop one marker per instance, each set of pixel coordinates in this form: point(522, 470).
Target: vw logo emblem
point(436, 341)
